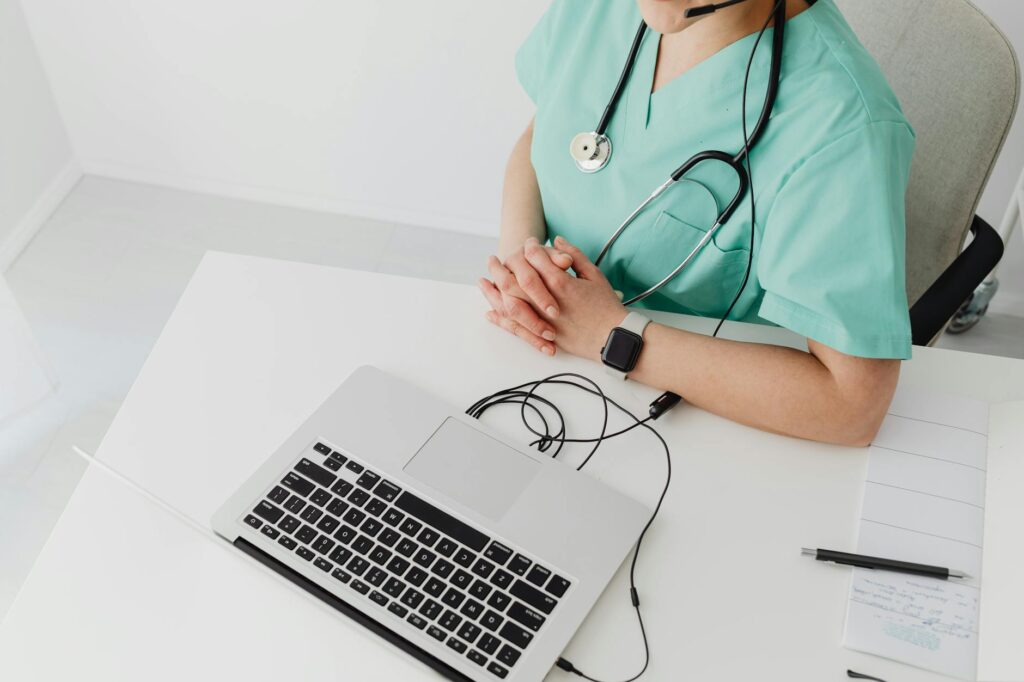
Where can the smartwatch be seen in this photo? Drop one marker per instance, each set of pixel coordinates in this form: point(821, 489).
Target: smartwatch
point(622, 349)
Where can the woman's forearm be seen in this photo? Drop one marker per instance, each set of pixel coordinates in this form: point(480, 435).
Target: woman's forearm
point(822, 395)
point(522, 214)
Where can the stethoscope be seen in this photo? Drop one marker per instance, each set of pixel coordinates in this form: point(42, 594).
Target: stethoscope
point(593, 150)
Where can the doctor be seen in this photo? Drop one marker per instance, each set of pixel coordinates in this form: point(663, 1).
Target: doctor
point(820, 251)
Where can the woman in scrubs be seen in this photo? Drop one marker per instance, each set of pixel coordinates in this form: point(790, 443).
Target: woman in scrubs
point(830, 174)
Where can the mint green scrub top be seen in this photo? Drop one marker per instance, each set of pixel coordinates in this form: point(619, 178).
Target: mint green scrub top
point(830, 173)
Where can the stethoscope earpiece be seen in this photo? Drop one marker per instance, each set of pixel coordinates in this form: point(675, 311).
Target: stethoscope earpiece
point(591, 151)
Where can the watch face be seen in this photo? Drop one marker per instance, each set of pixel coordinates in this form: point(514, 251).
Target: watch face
point(622, 349)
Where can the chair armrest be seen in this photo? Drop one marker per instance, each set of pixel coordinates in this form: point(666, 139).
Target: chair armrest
point(931, 313)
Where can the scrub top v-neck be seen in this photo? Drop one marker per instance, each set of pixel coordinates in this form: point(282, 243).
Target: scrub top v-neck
point(830, 173)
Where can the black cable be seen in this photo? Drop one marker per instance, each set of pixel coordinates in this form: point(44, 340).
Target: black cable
point(545, 438)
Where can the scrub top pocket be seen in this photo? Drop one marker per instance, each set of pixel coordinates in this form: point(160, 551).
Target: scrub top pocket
point(706, 286)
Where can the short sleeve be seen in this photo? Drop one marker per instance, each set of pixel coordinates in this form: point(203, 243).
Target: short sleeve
point(532, 55)
point(832, 261)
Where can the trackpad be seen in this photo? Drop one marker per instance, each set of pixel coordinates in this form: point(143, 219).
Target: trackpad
point(473, 468)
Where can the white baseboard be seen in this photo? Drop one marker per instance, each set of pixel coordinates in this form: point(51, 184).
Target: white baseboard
point(265, 195)
point(45, 205)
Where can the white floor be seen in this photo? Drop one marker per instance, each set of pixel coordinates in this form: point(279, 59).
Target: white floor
point(100, 279)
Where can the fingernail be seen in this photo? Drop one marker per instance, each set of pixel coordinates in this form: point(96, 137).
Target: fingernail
point(552, 311)
point(559, 240)
point(532, 240)
point(547, 350)
point(549, 335)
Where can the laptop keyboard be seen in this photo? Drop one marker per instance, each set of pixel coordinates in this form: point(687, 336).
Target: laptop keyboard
point(471, 593)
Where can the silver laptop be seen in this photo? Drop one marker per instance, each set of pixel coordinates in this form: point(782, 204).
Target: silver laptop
point(477, 556)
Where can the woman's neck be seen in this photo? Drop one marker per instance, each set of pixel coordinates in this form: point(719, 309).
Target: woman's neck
point(679, 52)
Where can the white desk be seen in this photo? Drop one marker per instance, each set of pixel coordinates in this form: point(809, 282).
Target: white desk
point(124, 591)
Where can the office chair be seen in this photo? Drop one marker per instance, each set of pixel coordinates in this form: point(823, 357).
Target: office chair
point(958, 80)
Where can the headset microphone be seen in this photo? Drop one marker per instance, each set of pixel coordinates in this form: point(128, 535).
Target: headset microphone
point(710, 9)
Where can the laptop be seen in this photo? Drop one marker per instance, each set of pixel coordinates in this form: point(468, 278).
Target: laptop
point(475, 555)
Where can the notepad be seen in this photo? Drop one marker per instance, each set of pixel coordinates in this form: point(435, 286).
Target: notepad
point(924, 502)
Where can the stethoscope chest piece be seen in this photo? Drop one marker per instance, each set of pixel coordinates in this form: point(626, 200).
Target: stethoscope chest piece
point(590, 151)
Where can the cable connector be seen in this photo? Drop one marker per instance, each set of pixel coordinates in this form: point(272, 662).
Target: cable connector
point(665, 402)
point(634, 597)
point(566, 666)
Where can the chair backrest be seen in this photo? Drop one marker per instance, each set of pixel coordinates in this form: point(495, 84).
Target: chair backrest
point(958, 80)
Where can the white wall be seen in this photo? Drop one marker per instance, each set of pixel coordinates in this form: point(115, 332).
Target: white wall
point(403, 109)
point(36, 166)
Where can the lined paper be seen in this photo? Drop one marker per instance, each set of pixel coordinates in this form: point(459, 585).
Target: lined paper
point(924, 501)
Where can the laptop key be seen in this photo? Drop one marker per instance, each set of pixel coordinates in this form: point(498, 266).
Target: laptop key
point(345, 534)
point(333, 465)
point(397, 565)
point(453, 597)
point(469, 632)
point(446, 547)
point(341, 575)
point(323, 544)
point(483, 568)
point(270, 532)
point(305, 553)
point(398, 609)
point(508, 655)
point(499, 600)
point(456, 645)
point(337, 506)
point(295, 504)
point(368, 479)
point(324, 566)
point(268, 512)
point(358, 565)
point(380, 555)
point(322, 449)
point(389, 537)
point(412, 598)
point(306, 534)
point(557, 585)
point(511, 632)
point(315, 472)
point(387, 490)
point(437, 633)
point(338, 457)
point(416, 621)
point(340, 555)
point(354, 517)
point(472, 609)
point(519, 565)
point(424, 557)
point(498, 553)
point(416, 576)
point(428, 537)
point(358, 497)
point(461, 579)
point(371, 527)
point(480, 589)
point(502, 578)
point(320, 497)
point(328, 524)
point(526, 616)
point(393, 587)
point(278, 494)
point(378, 598)
point(393, 517)
point(450, 620)
point(410, 527)
point(375, 576)
point(311, 514)
point(489, 644)
point(464, 557)
point(342, 487)
point(431, 609)
point(251, 520)
point(434, 587)
point(298, 484)
point(406, 547)
point(497, 671)
point(287, 542)
point(538, 575)
point(359, 586)
point(532, 596)
point(376, 507)
point(492, 621)
point(352, 465)
point(442, 568)
point(476, 657)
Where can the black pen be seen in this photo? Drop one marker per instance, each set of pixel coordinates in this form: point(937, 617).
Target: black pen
point(862, 561)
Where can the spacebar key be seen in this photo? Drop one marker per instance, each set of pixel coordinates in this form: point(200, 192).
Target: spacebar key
point(442, 521)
